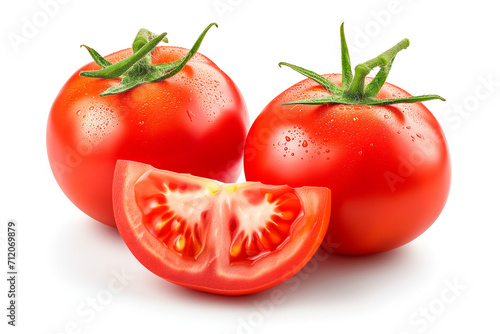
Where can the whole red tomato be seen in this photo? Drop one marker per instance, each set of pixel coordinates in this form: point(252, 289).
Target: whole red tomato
point(194, 122)
point(380, 151)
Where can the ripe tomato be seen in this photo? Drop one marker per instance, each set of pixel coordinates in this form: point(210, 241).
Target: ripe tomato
point(194, 122)
point(387, 166)
point(221, 238)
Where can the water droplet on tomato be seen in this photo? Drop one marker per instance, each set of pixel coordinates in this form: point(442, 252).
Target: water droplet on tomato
point(408, 127)
point(327, 151)
point(78, 113)
point(420, 136)
point(293, 154)
point(286, 148)
point(386, 116)
point(190, 114)
point(287, 138)
point(360, 152)
point(91, 108)
point(304, 143)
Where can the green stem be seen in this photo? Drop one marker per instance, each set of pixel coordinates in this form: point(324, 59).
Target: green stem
point(137, 69)
point(384, 61)
point(117, 69)
point(143, 37)
point(100, 60)
point(180, 65)
point(327, 84)
point(353, 90)
point(346, 60)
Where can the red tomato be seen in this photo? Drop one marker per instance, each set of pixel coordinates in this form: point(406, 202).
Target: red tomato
point(193, 122)
point(388, 167)
point(221, 238)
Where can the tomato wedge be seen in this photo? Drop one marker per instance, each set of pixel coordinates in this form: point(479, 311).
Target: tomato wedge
point(221, 238)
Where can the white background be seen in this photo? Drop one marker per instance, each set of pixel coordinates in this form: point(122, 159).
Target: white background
point(66, 259)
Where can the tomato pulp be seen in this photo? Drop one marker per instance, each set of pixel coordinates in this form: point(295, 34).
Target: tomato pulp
point(214, 237)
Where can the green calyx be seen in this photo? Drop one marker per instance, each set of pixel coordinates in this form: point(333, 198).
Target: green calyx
point(353, 90)
point(137, 69)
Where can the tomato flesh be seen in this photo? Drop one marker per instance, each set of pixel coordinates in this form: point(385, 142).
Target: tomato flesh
point(216, 237)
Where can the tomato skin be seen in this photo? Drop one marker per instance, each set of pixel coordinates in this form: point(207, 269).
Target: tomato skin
point(211, 271)
point(193, 122)
point(388, 167)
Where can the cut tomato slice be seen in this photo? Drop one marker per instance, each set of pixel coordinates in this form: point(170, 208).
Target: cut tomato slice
point(215, 237)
